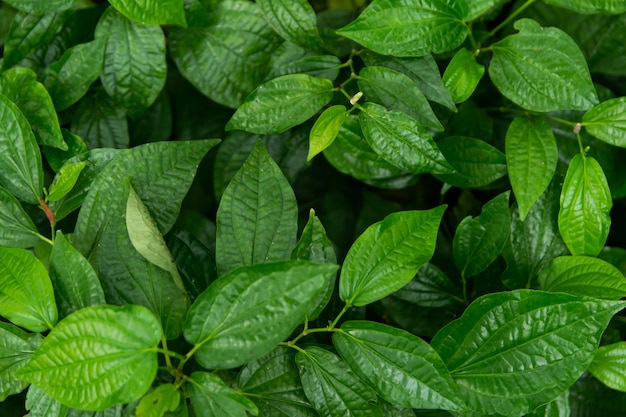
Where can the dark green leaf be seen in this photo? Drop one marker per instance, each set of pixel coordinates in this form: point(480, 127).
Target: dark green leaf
point(40, 404)
point(16, 348)
point(590, 398)
point(430, 287)
point(108, 357)
point(295, 21)
point(326, 129)
point(388, 254)
point(57, 157)
point(472, 121)
point(591, 6)
point(609, 366)
point(211, 397)
point(542, 69)
point(155, 124)
point(478, 8)
point(39, 7)
point(292, 59)
point(402, 368)
point(584, 219)
point(557, 408)
point(462, 75)
point(532, 345)
point(16, 228)
point(101, 122)
point(164, 398)
point(607, 122)
point(154, 12)
point(65, 180)
point(247, 312)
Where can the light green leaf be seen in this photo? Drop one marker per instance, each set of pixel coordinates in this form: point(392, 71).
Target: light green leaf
point(16, 348)
point(607, 121)
point(326, 129)
point(26, 294)
point(101, 122)
point(462, 75)
point(478, 241)
point(257, 216)
point(282, 103)
point(542, 69)
point(245, 314)
point(532, 345)
point(40, 404)
point(41, 7)
point(396, 91)
point(584, 219)
point(409, 28)
point(388, 254)
point(295, 21)
point(401, 140)
point(609, 366)
point(332, 387)
point(158, 402)
point(430, 287)
point(16, 228)
point(65, 180)
point(134, 68)
point(152, 12)
point(108, 357)
point(20, 158)
point(402, 368)
point(211, 397)
point(591, 6)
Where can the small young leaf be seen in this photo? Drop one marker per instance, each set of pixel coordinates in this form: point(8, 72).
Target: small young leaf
point(388, 254)
point(152, 12)
point(462, 75)
point(16, 228)
point(607, 121)
point(26, 294)
point(326, 129)
point(584, 219)
point(609, 366)
point(282, 103)
point(211, 397)
point(65, 180)
point(101, 122)
point(16, 348)
point(155, 404)
point(107, 353)
point(295, 21)
point(591, 6)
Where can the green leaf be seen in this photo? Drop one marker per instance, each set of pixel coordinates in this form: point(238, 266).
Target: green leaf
point(332, 387)
point(388, 254)
point(101, 122)
point(584, 276)
point(16, 228)
point(532, 345)
point(542, 69)
point(609, 366)
point(244, 314)
point(26, 294)
point(401, 140)
point(20, 158)
point(462, 75)
point(40, 404)
point(560, 407)
point(257, 216)
point(591, 6)
point(584, 219)
point(75, 282)
point(57, 157)
point(478, 8)
point(396, 91)
point(16, 348)
point(478, 241)
point(65, 180)
point(531, 157)
point(292, 59)
point(295, 21)
point(402, 368)
point(607, 122)
point(475, 162)
point(282, 103)
point(155, 404)
point(38, 7)
point(134, 61)
point(326, 129)
point(409, 28)
point(68, 79)
point(20, 85)
point(108, 357)
point(152, 12)
point(430, 287)
point(211, 397)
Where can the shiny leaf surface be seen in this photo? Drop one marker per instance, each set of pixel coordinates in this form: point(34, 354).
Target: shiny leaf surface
point(16, 228)
point(609, 365)
point(16, 348)
point(211, 397)
point(326, 129)
point(462, 75)
point(155, 12)
point(295, 21)
point(607, 122)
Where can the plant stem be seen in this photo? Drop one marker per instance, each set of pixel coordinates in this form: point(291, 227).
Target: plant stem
point(45, 239)
point(341, 313)
point(508, 19)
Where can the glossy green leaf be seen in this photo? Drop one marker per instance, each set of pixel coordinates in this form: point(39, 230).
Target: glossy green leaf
point(326, 129)
point(609, 366)
point(273, 383)
point(26, 294)
point(211, 397)
point(585, 276)
point(21, 172)
point(152, 12)
point(607, 122)
point(247, 312)
point(430, 287)
point(40, 404)
point(68, 79)
point(134, 66)
point(542, 69)
point(56, 158)
point(590, 397)
point(559, 407)
point(591, 6)
point(388, 254)
point(402, 368)
point(407, 28)
point(475, 162)
point(462, 75)
point(75, 282)
point(401, 140)
point(16, 348)
point(20, 85)
point(478, 241)
point(65, 180)
point(16, 228)
point(257, 216)
point(291, 59)
point(477, 8)
point(531, 157)
point(108, 357)
point(584, 219)
point(101, 122)
point(282, 103)
point(332, 387)
point(295, 21)
point(156, 403)
point(41, 7)
point(532, 345)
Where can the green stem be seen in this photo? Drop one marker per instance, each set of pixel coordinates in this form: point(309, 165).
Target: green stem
point(508, 19)
point(45, 239)
point(170, 354)
point(580, 145)
point(341, 313)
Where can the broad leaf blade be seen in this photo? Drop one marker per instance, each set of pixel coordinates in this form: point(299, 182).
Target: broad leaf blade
point(326, 129)
point(40, 404)
point(155, 12)
point(607, 122)
point(211, 397)
point(157, 403)
point(16, 348)
point(295, 21)
point(41, 7)
point(609, 366)
point(430, 287)
point(591, 6)
point(462, 75)
point(101, 122)
point(16, 228)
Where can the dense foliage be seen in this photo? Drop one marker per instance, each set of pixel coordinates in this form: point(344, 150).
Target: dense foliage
point(286, 208)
